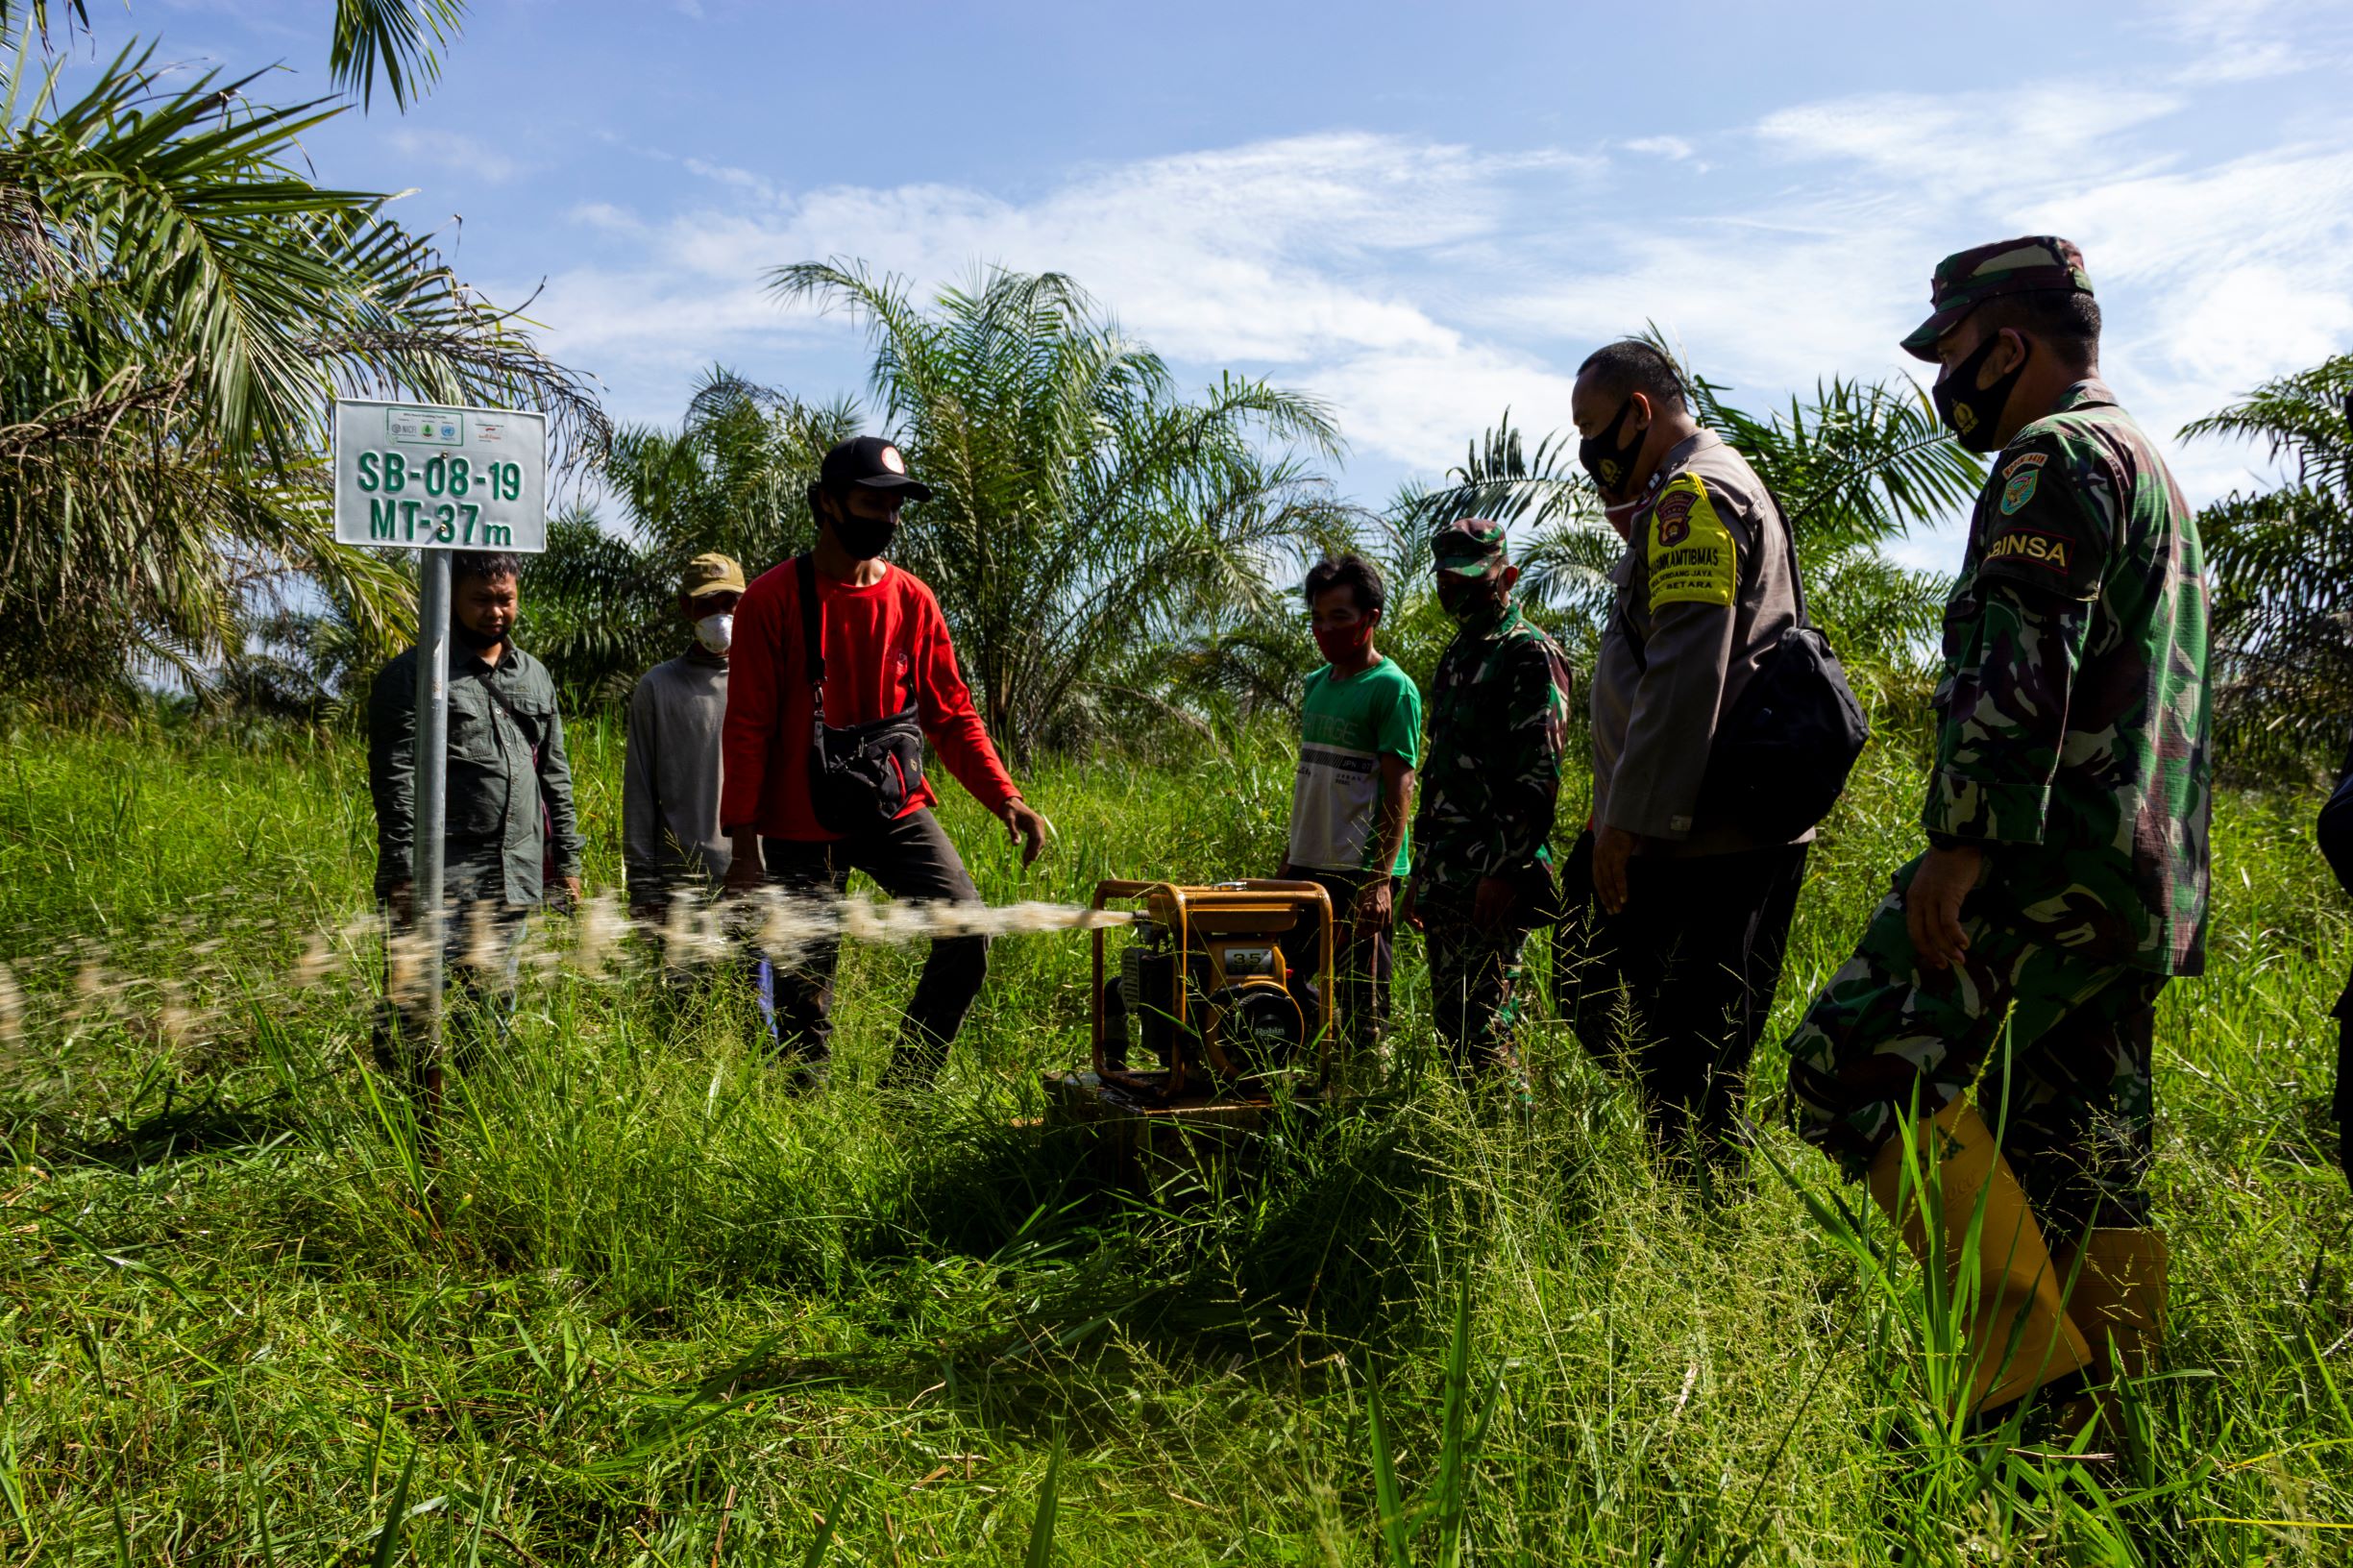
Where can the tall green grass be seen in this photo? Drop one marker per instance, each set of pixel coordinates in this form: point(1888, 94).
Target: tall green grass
point(645, 1305)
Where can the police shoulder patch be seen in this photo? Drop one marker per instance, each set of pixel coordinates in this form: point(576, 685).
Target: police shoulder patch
point(1693, 556)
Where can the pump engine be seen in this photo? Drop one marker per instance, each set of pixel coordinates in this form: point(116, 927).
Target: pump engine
point(1203, 987)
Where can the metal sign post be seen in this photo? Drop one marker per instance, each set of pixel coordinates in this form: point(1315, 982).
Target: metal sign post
point(433, 480)
point(431, 780)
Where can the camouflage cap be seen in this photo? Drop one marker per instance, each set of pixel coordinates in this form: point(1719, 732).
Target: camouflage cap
point(710, 573)
point(1468, 547)
point(1966, 279)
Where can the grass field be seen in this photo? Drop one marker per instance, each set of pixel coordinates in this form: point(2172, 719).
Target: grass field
point(651, 1309)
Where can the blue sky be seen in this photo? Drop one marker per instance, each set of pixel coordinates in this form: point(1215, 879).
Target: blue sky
point(1421, 215)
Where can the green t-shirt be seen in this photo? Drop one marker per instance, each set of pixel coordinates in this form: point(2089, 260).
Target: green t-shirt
point(1347, 724)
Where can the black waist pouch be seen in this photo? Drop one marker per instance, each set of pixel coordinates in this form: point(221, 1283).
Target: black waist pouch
point(1780, 757)
point(1782, 754)
point(861, 776)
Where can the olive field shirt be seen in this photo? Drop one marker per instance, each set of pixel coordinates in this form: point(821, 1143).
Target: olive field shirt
point(2073, 736)
point(509, 791)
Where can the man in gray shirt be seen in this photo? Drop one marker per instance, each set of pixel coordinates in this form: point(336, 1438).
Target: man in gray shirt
point(670, 843)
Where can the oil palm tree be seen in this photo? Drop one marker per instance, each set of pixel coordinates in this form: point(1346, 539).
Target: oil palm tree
point(733, 477)
point(2280, 563)
point(1082, 508)
point(179, 303)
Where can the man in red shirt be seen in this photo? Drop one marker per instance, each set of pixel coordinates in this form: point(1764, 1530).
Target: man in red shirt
point(883, 648)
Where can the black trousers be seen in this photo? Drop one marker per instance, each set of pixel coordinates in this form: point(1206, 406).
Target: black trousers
point(1674, 988)
point(2344, 1098)
point(1360, 1007)
point(910, 859)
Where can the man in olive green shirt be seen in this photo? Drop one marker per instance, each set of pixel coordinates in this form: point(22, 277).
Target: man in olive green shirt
point(509, 827)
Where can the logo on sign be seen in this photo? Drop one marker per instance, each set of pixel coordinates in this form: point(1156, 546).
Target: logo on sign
point(424, 428)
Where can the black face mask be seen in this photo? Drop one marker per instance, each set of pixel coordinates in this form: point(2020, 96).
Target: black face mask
point(471, 640)
point(1469, 600)
point(1608, 459)
point(863, 538)
point(1973, 414)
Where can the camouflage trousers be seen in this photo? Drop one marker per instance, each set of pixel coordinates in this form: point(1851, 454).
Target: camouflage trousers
point(2067, 1086)
point(1477, 979)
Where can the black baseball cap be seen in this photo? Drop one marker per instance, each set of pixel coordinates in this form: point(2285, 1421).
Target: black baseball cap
point(869, 463)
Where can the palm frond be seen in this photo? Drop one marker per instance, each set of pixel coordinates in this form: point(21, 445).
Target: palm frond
point(393, 39)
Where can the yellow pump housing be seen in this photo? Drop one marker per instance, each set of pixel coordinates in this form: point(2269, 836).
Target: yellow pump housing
point(1202, 984)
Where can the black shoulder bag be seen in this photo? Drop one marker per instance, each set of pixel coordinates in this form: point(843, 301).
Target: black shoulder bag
point(860, 778)
point(1782, 757)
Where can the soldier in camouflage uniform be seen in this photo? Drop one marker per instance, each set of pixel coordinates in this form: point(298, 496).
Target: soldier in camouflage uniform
point(1498, 723)
point(2067, 870)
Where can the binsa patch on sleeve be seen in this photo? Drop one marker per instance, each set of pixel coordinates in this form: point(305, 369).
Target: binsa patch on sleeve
point(2037, 530)
point(1693, 557)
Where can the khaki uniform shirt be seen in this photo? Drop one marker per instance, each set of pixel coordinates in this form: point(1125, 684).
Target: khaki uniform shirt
point(1703, 592)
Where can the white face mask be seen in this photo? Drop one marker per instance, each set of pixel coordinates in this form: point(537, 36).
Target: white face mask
point(716, 631)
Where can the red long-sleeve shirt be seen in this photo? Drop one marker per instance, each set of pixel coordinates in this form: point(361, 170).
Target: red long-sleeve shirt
point(885, 644)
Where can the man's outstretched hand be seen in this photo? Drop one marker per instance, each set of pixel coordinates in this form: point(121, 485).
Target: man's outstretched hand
point(1025, 827)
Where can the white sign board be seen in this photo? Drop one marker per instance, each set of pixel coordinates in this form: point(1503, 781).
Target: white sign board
point(417, 478)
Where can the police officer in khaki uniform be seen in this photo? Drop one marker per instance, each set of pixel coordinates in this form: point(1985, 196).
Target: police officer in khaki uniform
point(1671, 973)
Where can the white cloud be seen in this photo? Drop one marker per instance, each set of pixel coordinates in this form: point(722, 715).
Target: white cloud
point(1959, 145)
point(1667, 147)
point(2245, 40)
point(1279, 253)
point(605, 215)
point(456, 153)
point(1424, 407)
point(727, 175)
point(1423, 286)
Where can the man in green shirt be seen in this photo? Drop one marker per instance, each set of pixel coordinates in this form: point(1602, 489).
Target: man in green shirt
point(509, 825)
point(1359, 738)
